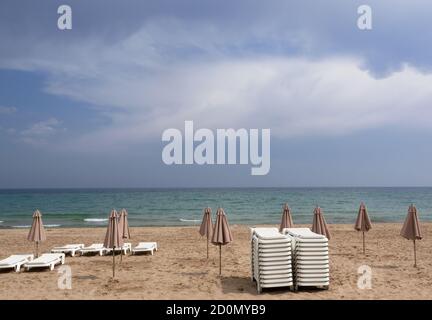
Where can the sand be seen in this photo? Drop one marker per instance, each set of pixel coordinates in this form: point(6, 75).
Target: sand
point(180, 270)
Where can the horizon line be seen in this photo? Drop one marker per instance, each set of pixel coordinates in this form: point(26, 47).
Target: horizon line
point(206, 187)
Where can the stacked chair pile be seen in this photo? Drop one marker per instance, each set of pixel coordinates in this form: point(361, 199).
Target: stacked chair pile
point(271, 259)
point(310, 258)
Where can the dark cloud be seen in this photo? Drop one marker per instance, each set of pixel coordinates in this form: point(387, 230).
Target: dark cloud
point(400, 34)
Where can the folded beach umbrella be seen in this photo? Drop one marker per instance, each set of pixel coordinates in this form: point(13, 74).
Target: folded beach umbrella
point(37, 231)
point(363, 223)
point(123, 227)
point(221, 234)
point(123, 224)
point(113, 236)
point(206, 228)
point(411, 228)
point(319, 224)
point(286, 221)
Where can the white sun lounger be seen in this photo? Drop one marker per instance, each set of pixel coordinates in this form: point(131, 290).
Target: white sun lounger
point(305, 235)
point(46, 260)
point(15, 261)
point(94, 248)
point(127, 246)
point(145, 247)
point(271, 234)
point(68, 248)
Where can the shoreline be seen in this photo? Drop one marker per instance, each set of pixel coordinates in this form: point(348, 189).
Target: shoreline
point(180, 270)
point(65, 227)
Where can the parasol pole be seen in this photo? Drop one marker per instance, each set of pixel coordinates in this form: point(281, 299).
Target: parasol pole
point(220, 260)
point(114, 262)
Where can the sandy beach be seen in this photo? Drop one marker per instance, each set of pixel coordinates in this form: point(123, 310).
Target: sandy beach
point(180, 270)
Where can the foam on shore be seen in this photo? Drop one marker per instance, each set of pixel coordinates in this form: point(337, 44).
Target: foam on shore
point(189, 220)
point(95, 220)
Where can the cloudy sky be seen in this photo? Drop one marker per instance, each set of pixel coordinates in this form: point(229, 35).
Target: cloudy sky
point(87, 107)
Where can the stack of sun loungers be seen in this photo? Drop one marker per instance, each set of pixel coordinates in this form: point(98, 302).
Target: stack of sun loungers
point(271, 259)
point(311, 259)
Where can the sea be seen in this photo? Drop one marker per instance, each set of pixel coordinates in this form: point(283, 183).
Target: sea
point(181, 207)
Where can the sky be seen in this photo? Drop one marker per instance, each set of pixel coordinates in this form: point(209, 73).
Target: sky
point(87, 107)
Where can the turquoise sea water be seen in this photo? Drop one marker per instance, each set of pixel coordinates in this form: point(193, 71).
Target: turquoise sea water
point(149, 207)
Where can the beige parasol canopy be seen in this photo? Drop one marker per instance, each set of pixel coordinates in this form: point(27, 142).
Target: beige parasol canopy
point(286, 221)
point(221, 234)
point(206, 228)
point(37, 231)
point(319, 224)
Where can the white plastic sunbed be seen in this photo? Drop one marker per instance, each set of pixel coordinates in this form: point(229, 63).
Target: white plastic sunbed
point(267, 234)
point(68, 248)
point(46, 260)
point(127, 246)
point(15, 261)
point(94, 248)
point(145, 247)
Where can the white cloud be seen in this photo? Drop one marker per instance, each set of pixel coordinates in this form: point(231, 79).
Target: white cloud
point(7, 110)
point(43, 128)
point(291, 96)
point(38, 133)
point(143, 84)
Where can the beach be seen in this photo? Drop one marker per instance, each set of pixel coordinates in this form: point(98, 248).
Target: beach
point(180, 270)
